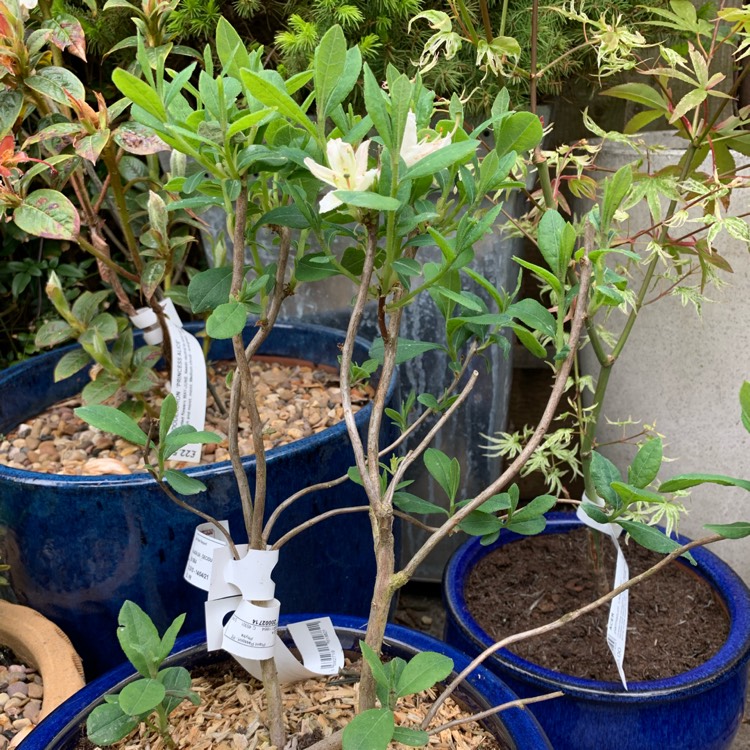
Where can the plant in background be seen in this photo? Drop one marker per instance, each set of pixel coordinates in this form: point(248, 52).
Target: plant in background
point(150, 699)
point(77, 175)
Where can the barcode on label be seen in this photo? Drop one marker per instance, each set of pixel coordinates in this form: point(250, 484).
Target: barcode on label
point(322, 644)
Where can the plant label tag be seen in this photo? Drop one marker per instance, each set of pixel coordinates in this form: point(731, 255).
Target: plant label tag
point(188, 375)
point(617, 626)
point(250, 632)
point(318, 645)
point(252, 574)
point(219, 587)
point(216, 611)
point(200, 559)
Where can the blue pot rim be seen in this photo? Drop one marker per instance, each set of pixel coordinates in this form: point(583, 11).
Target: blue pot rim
point(72, 713)
point(282, 452)
point(732, 591)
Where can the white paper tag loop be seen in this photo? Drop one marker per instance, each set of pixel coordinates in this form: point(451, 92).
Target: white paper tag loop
point(200, 559)
point(251, 631)
point(617, 625)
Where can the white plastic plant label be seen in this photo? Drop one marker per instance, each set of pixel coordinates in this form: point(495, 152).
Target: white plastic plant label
point(318, 646)
point(250, 632)
point(188, 374)
point(617, 625)
point(206, 540)
point(251, 574)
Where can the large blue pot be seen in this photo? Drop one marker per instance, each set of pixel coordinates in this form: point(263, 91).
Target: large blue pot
point(697, 710)
point(61, 729)
point(79, 546)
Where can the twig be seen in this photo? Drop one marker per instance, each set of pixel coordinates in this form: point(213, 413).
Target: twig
point(518, 703)
point(317, 519)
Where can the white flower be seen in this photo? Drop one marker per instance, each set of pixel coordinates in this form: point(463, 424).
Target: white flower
point(28, 4)
point(411, 149)
point(348, 170)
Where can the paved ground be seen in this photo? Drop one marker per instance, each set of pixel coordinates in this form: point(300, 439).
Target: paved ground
point(420, 607)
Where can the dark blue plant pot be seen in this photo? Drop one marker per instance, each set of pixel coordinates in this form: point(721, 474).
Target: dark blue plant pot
point(482, 690)
point(697, 710)
point(79, 546)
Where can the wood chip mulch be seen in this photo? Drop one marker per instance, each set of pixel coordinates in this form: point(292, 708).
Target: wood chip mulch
point(232, 710)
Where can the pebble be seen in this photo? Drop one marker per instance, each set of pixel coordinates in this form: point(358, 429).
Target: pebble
point(20, 701)
point(295, 401)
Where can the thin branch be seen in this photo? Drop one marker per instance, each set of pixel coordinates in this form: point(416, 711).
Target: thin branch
point(279, 543)
point(518, 703)
point(205, 516)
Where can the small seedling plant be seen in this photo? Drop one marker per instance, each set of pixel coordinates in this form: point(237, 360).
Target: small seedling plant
point(153, 697)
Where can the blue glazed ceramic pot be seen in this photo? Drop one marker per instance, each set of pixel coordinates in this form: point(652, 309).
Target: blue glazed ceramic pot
point(697, 710)
point(61, 729)
point(79, 546)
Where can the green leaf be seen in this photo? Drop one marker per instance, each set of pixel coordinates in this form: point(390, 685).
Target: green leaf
point(376, 666)
point(631, 494)
point(543, 274)
point(166, 416)
point(209, 289)
point(534, 315)
point(328, 66)
point(48, 213)
point(182, 483)
point(139, 639)
point(686, 481)
point(366, 199)
point(409, 503)
point(142, 696)
point(100, 390)
point(53, 332)
point(556, 239)
point(615, 190)
point(650, 537)
point(231, 49)
point(745, 404)
point(11, 102)
point(107, 724)
point(70, 363)
point(646, 463)
point(529, 341)
point(315, 266)
point(153, 273)
point(169, 637)
point(407, 349)
point(422, 672)
point(187, 436)
point(410, 737)
point(266, 93)
point(604, 473)
point(453, 153)
point(227, 320)
point(444, 470)
point(537, 507)
point(640, 93)
point(376, 107)
point(519, 132)
point(140, 93)
point(530, 527)
point(109, 419)
point(347, 81)
point(478, 523)
point(460, 298)
point(370, 730)
point(177, 683)
point(53, 82)
point(736, 530)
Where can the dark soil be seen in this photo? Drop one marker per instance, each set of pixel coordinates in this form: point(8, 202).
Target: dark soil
point(676, 622)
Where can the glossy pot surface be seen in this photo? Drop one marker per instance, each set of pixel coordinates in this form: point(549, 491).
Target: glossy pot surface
point(697, 710)
point(79, 546)
point(518, 728)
